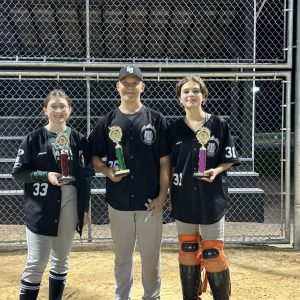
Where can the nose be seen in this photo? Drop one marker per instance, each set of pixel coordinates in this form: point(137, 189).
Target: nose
point(130, 86)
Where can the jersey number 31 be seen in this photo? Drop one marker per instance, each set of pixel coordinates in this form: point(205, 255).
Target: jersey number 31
point(230, 152)
point(177, 179)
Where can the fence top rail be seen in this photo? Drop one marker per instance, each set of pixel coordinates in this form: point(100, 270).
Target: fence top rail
point(156, 75)
point(161, 65)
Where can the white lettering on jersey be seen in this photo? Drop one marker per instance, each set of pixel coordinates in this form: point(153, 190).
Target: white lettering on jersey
point(40, 189)
point(113, 163)
point(42, 153)
point(177, 179)
point(230, 152)
point(81, 158)
point(17, 162)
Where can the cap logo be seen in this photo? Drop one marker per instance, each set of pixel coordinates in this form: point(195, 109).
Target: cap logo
point(129, 69)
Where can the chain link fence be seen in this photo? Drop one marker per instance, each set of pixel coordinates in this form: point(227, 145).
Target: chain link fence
point(256, 109)
point(190, 31)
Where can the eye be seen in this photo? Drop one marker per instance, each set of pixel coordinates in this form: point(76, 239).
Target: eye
point(196, 91)
point(56, 107)
point(130, 84)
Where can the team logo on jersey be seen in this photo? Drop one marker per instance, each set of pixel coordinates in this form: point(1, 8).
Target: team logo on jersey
point(212, 146)
point(20, 152)
point(148, 134)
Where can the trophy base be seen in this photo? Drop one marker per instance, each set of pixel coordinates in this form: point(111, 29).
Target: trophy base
point(200, 175)
point(122, 172)
point(65, 179)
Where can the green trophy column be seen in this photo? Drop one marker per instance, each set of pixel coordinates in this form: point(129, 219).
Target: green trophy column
point(119, 154)
point(115, 134)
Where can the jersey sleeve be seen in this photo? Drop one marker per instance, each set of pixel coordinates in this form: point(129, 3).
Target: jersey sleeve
point(87, 157)
point(23, 170)
point(31, 176)
point(170, 142)
point(98, 140)
point(23, 161)
point(229, 153)
point(86, 162)
point(165, 148)
point(89, 172)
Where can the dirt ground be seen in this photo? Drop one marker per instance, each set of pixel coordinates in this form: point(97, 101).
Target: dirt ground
point(258, 272)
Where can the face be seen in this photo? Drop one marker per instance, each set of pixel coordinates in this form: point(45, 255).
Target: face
point(130, 88)
point(190, 95)
point(58, 110)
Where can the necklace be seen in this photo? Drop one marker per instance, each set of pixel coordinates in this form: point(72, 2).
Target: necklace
point(196, 125)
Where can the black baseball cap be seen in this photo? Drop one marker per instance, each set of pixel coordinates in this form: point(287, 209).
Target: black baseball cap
point(131, 70)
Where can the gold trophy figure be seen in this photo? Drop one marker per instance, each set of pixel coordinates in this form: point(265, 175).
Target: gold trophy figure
point(115, 134)
point(62, 142)
point(203, 136)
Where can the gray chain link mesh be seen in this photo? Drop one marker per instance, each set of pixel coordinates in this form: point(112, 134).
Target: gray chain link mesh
point(215, 31)
point(256, 202)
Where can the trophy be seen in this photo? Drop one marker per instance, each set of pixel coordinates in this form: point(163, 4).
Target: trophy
point(115, 134)
point(62, 144)
point(203, 136)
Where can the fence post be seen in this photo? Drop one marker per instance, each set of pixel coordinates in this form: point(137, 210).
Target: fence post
point(297, 139)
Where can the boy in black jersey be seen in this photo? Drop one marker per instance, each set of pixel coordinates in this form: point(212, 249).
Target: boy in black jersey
point(145, 151)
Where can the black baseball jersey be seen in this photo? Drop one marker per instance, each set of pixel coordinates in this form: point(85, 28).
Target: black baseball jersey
point(193, 200)
point(42, 200)
point(144, 142)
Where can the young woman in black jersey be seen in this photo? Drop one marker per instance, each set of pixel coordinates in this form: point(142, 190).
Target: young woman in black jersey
point(54, 207)
point(202, 151)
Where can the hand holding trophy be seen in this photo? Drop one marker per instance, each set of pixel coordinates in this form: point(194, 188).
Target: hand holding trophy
point(203, 136)
point(62, 143)
point(115, 134)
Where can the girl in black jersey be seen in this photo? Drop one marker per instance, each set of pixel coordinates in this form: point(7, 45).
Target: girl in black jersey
point(198, 203)
point(53, 209)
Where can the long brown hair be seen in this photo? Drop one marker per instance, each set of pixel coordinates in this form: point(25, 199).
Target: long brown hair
point(196, 79)
point(57, 93)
